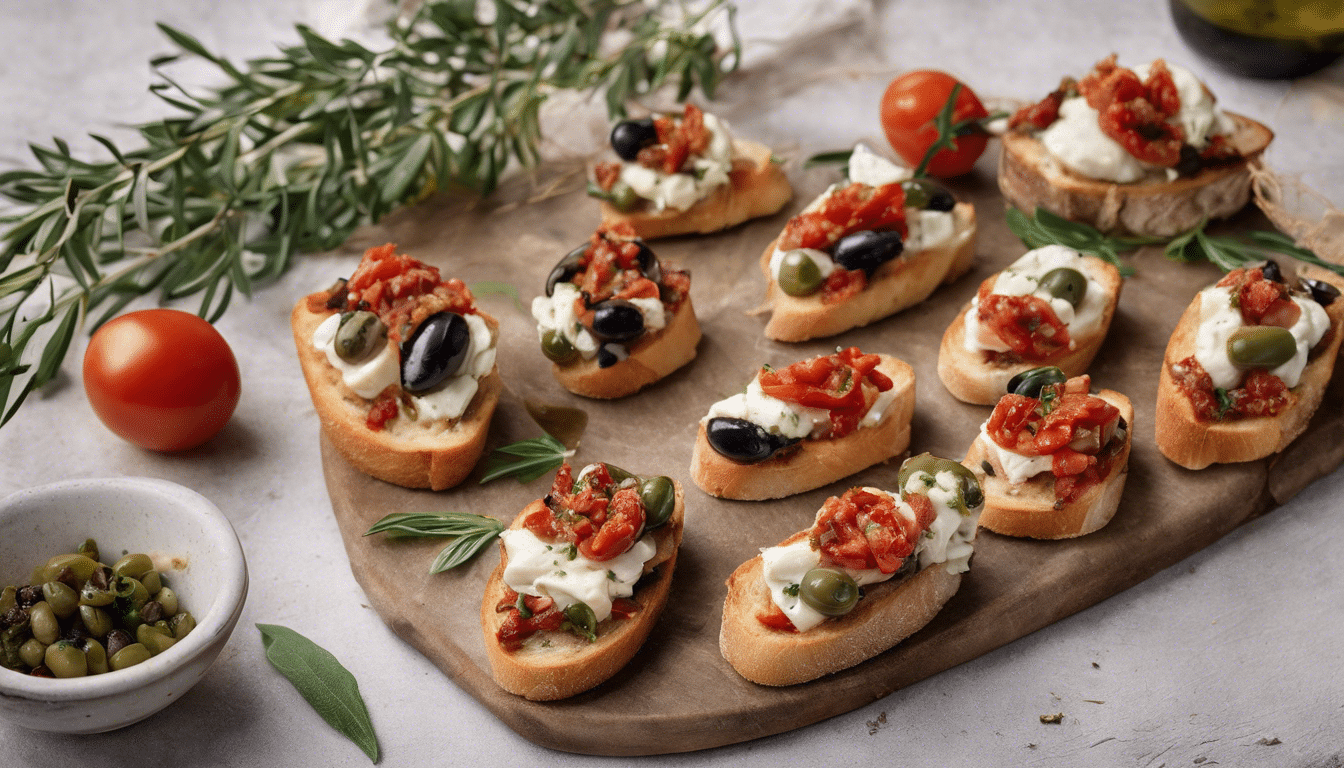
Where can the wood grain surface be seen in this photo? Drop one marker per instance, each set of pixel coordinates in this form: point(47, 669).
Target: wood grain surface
point(679, 694)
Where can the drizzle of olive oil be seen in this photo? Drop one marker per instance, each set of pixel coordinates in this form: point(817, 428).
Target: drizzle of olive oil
point(559, 421)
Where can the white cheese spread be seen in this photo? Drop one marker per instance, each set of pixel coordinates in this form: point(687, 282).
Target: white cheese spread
point(559, 572)
point(948, 541)
point(1017, 468)
point(369, 377)
point(557, 313)
point(1023, 277)
point(680, 191)
point(1218, 320)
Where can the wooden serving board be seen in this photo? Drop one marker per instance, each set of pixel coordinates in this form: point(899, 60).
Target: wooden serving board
point(679, 694)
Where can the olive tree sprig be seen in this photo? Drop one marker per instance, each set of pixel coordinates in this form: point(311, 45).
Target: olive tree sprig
point(471, 533)
point(526, 459)
point(296, 150)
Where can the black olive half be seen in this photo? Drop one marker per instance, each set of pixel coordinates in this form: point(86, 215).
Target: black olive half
point(1322, 292)
point(616, 320)
point(648, 263)
point(630, 136)
point(867, 250)
point(742, 440)
point(1029, 383)
point(928, 195)
point(566, 269)
point(1270, 271)
point(611, 354)
point(434, 352)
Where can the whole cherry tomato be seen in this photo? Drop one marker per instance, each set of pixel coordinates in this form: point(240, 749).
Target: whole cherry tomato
point(909, 106)
point(161, 379)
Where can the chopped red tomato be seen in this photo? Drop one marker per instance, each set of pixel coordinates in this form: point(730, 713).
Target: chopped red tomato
point(624, 608)
point(863, 530)
point(1136, 113)
point(1261, 393)
point(606, 175)
point(403, 291)
point(622, 526)
point(601, 520)
point(1261, 301)
point(842, 285)
point(1027, 324)
point(543, 616)
point(844, 384)
point(854, 208)
point(677, 140)
point(610, 268)
point(383, 410)
point(774, 618)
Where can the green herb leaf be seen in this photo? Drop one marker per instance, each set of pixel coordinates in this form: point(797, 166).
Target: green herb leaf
point(497, 288)
point(526, 459)
point(1252, 248)
point(838, 157)
point(1045, 228)
point(323, 682)
point(472, 532)
point(947, 132)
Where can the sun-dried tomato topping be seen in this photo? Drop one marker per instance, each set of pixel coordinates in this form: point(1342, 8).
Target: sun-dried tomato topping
point(403, 291)
point(854, 208)
point(601, 520)
point(1027, 324)
point(606, 175)
point(678, 139)
point(842, 285)
point(609, 268)
point(622, 525)
point(862, 530)
point(1261, 393)
point(545, 617)
point(383, 409)
point(1136, 113)
point(845, 383)
point(624, 608)
point(1044, 112)
point(1261, 301)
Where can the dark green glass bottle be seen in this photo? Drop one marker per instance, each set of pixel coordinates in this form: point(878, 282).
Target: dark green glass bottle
point(1263, 38)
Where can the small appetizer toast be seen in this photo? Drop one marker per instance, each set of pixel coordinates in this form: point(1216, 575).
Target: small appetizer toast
point(804, 426)
point(401, 368)
point(864, 250)
point(1247, 365)
point(583, 576)
point(613, 319)
point(1142, 151)
point(1052, 458)
point(1051, 307)
point(686, 175)
point(873, 569)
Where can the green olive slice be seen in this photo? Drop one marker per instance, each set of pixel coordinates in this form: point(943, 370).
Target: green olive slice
point(582, 621)
point(659, 498)
point(828, 591)
point(1261, 346)
point(799, 274)
point(360, 335)
point(1029, 383)
point(1065, 283)
point(557, 348)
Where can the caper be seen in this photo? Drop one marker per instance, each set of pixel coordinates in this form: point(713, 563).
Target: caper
point(33, 651)
point(167, 598)
point(1065, 283)
point(972, 495)
point(622, 196)
point(557, 348)
point(182, 624)
point(132, 565)
point(81, 566)
point(1261, 346)
point(96, 620)
point(1029, 383)
point(799, 274)
point(582, 620)
point(659, 498)
point(89, 549)
point(828, 591)
point(153, 582)
point(162, 626)
point(43, 622)
point(359, 336)
point(617, 474)
point(157, 642)
point(133, 654)
point(66, 660)
point(96, 657)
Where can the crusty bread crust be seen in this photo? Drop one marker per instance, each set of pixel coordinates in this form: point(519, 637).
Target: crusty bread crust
point(655, 355)
point(896, 285)
point(570, 665)
point(1196, 444)
point(1030, 177)
point(405, 453)
point(885, 615)
point(972, 379)
point(757, 186)
point(1028, 510)
point(815, 462)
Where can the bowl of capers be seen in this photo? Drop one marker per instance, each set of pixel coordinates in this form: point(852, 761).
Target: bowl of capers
point(116, 596)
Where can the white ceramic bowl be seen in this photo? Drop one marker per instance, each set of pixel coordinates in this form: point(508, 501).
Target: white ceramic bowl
point(123, 514)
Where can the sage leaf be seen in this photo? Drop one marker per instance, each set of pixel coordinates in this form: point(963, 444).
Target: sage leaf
point(323, 683)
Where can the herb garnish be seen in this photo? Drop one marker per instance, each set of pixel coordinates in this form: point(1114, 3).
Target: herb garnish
point(472, 533)
point(297, 150)
point(526, 459)
point(1045, 228)
point(1231, 253)
point(323, 682)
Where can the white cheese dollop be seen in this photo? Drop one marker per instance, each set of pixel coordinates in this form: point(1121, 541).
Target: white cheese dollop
point(1017, 468)
point(557, 313)
point(1218, 320)
point(868, 167)
point(559, 572)
point(680, 191)
point(1022, 278)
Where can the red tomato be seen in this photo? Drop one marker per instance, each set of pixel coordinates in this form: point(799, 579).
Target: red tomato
point(161, 379)
point(909, 106)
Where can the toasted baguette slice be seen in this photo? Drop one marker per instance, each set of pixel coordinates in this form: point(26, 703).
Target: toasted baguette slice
point(566, 664)
point(886, 614)
point(436, 455)
point(1029, 509)
point(815, 462)
point(973, 379)
point(1195, 444)
point(1030, 177)
point(896, 285)
point(655, 356)
point(756, 187)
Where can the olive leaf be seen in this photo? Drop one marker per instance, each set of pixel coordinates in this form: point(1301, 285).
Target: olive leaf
point(472, 533)
point(526, 459)
point(323, 682)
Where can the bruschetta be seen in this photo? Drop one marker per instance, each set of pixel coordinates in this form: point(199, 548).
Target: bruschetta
point(1052, 307)
point(804, 426)
point(1247, 365)
point(864, 250)
point(873, 569)
point(583, 576)
point(613, 319)
point(1144, 151)
point(400, 364)
point(1053, 458)
point(686, 174)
